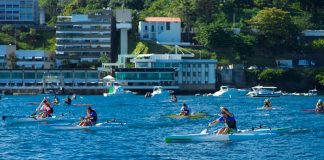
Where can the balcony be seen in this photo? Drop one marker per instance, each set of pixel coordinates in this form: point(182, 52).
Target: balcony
point(83, 36)
point(71, 49)
point(83, 29)
point(81, 42)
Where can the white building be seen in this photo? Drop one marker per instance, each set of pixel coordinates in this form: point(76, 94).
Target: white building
point(164, 30)
point(84, 37)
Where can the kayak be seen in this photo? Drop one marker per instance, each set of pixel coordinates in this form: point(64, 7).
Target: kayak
point(312, 111)
point(22, 119)
point(98, 126)
point(260, 133)
point(192, 116)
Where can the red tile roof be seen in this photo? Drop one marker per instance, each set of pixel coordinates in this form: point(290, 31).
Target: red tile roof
point(162, 19)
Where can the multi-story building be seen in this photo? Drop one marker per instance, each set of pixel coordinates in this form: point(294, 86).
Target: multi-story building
point(34, 81)
point(26, 59)
point(83, 38)
point(34, 59)
point(19, 12)
point(161, 29)
point(172, 71)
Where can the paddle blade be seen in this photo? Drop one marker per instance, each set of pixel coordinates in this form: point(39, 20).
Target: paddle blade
point(205, 131)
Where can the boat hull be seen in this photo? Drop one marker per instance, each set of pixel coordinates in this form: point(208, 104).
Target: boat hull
point(242, 135)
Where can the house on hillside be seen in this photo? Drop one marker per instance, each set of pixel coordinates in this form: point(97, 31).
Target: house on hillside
point(163, 30)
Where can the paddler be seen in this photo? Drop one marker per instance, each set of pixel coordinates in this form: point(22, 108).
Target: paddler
point(90, 119)
point(56, 100)
point(68, 100)
point(267, 104)
point(228, 119)
point(185, 111)
point(46, 108)
point(174, 98)
point(319, 106)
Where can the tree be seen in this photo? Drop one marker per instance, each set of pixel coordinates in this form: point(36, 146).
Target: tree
point(320, 78)
point(215, 34)
point(275, 29)
point(318, 44)
point(271, 75)
point(8, 29)
point(104, 58)
point(12, 60)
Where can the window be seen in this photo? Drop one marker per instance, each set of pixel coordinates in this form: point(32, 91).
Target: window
point(167, 25)
point(145, 28)
point(152, 28)
point(161, 28)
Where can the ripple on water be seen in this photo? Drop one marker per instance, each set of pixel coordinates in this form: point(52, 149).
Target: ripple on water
point(143, 136)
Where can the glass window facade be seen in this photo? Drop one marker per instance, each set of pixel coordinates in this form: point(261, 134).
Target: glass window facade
point(80, 75)
point(29, 75)
point(5, 75)
point(17, 75)
point(144, 76)
point(67, 75)
point(92, 75)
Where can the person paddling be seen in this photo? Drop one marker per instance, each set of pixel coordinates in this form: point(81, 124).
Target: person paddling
point(90, 119)
point(46, 108)
point(267, 104)
point(174, 98)
point(319, 106)
point(56, 100)
point(68, 100)
point(228, 119)
point(185, 111)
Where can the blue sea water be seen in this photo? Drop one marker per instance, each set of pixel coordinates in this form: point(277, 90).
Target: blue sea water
point(143, 135)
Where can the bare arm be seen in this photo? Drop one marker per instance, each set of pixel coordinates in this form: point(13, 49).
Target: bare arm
point(213, 122)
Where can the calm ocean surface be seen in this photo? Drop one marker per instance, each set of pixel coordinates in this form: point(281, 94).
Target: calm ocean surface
point(143, 135)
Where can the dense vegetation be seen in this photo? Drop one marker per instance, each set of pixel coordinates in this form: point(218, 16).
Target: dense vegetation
point(269, 29)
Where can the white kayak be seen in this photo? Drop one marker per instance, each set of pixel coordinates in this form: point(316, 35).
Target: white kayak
point(98, 126)
point(259, 133)
point(22, 119)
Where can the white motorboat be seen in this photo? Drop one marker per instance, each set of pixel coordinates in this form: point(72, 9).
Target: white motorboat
point(158, 91)
point(312, 92)
point(264, 91)
point(117, 90)
point(227, 91)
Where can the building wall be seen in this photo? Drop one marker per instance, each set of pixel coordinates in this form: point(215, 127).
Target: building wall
point(85, 36)
point(160, 32)
point(19, 11)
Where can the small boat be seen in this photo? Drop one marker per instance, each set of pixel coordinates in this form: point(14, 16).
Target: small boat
point(23, 119)
point(192, 116)
point(228, 91)
point(312, 92)
point(158, 91)
point(98, 126)
point(264, 91)
point(117, 90)
point(259, 133)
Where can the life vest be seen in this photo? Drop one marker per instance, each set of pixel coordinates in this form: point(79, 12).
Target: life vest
point(45, 109)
